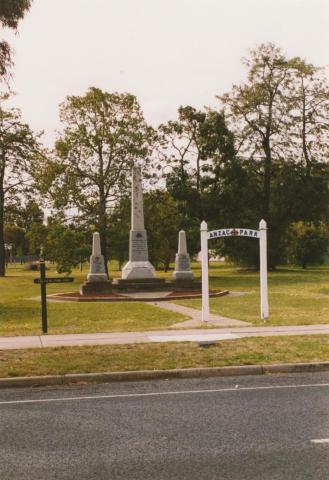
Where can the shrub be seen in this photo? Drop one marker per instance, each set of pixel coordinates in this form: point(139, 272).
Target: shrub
point(307, 243)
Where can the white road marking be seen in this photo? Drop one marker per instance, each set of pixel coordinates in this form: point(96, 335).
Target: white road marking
point(158, 394)
point(320, 440)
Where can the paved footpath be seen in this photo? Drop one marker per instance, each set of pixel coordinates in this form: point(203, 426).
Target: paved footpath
point(193, 335)
point(195, 316)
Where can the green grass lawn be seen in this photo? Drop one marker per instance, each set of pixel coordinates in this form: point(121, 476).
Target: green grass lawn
point(113, 358)
point(20, 311)
point(296, 296)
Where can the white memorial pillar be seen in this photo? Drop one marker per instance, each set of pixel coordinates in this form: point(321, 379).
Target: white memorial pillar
point(97, 265)
point(97, 281)
point(205, 279)
point(264, 309)
point(138, 266)
point(182, 261)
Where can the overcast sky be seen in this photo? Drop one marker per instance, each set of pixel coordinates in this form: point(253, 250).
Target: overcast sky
point(167, 52)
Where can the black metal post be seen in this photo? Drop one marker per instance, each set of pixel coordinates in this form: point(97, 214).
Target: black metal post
point(43, 295)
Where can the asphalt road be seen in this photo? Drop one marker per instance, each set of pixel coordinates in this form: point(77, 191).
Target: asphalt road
point(230, 428)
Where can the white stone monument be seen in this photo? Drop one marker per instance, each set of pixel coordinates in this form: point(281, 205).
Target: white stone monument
point(182, 262)
point(97, 280)
point(138, 266)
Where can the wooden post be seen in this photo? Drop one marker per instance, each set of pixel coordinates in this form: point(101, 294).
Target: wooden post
point(44, 317)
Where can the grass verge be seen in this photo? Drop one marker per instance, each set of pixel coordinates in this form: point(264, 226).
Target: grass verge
point(113, 358)
point(296, 296)
point(20, 309)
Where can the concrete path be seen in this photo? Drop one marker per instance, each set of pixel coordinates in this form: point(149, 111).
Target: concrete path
point(195, 315)
point(193, 335)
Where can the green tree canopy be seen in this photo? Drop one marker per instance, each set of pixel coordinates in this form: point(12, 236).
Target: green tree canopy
point(307, 243)
point(11, 12)
point(104, 135)
point(18, 146)
point(279, 117)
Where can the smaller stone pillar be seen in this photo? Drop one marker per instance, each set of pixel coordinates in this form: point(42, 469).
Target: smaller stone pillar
point(97, 281)
point(182, 262)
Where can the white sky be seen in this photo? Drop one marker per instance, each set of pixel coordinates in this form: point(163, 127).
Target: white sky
point(167, 52)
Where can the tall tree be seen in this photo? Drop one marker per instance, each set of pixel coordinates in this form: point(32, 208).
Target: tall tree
point(104, 135)
point(257, 110)
point(191, 151)
point(18, 146)
point(309, 114)
point(279, 116)
point(11, 12)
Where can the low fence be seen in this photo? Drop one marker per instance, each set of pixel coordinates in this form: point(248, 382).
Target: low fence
point(22, 259)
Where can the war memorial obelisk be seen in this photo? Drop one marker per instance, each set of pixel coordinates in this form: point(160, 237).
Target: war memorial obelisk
point(138, 265)
point(138, 273)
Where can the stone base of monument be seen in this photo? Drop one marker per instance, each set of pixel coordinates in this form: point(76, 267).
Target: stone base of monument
point(185, 284)
point(183, 275)
point(160, 296)
point(135, 270)
point(89, 288)
point(139, 284)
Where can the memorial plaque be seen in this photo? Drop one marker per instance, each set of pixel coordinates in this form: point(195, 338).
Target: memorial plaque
point(138, 246)
point(98, 265)
point(183, 262)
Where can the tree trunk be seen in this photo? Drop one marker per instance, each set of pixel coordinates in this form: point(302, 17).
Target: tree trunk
point(305, 151)
point(198, 173)
point(267, 179)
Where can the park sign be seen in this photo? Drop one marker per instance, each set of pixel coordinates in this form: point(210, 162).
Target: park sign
point(42, 281)
point(233, 232)
point(54, 280)
point(261, 235)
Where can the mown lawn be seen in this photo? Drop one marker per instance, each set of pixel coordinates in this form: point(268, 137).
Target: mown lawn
point(296, 296)
point(113, 358)
point(20, 309)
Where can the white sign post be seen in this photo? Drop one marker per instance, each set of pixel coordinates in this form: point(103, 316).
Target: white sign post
point(264, 310)
point(260, 234)
point(205, 277)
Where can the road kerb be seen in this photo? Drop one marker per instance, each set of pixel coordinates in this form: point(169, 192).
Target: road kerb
point(296, 367)
point(43, 381)
point(138, 375)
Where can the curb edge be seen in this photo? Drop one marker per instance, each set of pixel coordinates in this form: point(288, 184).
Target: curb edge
point(139, 375)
